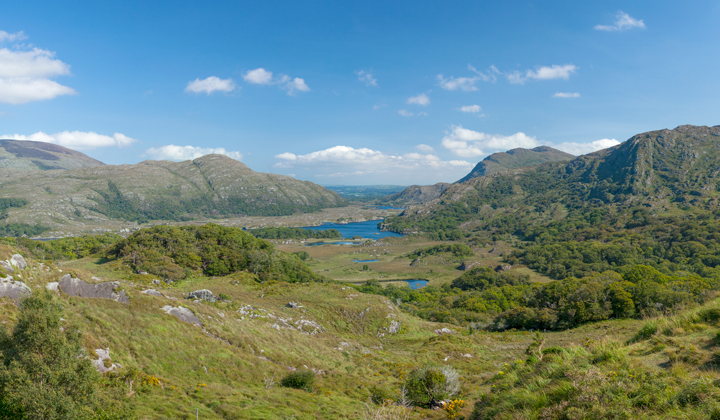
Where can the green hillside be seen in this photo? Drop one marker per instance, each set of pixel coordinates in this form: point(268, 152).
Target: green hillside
point(516, 158)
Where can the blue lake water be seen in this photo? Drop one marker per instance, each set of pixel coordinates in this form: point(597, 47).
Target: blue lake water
point(367, 230)
point(334, 243)
point(364, 261)
point(416, 284)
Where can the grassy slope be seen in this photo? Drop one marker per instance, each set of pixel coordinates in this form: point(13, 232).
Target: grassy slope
point(140, 335)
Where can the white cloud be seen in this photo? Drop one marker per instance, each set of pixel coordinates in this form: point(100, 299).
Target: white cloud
point(405, 113)
point(543, 73)
point(178, 153)
point(566, 95)
point(260, 76)
point(5, 36)
point(421, 99)
point(366, 77)
point(468, 143)
point(346, 161)
point(25, 74)
point(77, 139)
point(425, 148)
point(295, 85)
point(578, 149)
point(210, 85)
point(470, 108)
point(623, 22)
point(466, 84)
point(378, 106)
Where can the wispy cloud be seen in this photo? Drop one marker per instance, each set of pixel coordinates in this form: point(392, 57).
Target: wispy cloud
point(566, 95)
point(543, 73)
point(466, 84)
point(210, 85)
point(474, 109)
point(468, 143)
point(25, 73)
point(77, 139)
point(421, 99)
point(406, 113)
point(578, 149)
point(623, 22)
point(425, 148)
point(366, 77)
point(292, 85)
point(178, 153)
point(18, 36)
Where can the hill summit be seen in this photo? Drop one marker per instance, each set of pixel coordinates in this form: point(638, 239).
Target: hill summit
point(37, 155)
point(516, 158)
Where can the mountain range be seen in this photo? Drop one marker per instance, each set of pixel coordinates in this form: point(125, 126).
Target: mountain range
point(71, 187)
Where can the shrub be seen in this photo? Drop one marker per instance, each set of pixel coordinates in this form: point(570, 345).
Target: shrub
point(300, 379)
point(425, 385)
point(380, 395)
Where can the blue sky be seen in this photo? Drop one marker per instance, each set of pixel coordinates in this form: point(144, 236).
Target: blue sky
point(343, 93)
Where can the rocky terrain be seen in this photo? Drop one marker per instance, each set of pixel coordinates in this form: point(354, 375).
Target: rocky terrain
point(36, 155)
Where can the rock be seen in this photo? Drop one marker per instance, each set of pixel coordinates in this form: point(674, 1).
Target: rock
point(442, 331)
point(7, 266)
point(53, 286)
point(183, 314)
point(394, 327)
point(203, 294)
point(156, 282)
point(293, 305)
point(151, 292)
point(467, 265)
point(103, 354)
point(13, 289)
point(503, 267)
point(143, 272)
point(76, 287)
point(18, 261)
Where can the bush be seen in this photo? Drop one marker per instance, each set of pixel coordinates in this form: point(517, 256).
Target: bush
point(425, 385)
point(301, 379)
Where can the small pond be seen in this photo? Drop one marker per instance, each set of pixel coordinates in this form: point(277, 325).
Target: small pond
point(366, 230)
point(364, 261)
point(416, 284)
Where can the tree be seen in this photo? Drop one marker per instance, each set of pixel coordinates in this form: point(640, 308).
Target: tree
point(44, 373)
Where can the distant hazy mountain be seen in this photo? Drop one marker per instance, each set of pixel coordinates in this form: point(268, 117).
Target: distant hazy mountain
point(213, 185)
point(34, 155)
point(516, 158)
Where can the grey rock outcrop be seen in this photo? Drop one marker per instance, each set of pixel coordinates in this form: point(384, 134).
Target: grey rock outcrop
point(442, 331)
point(203, 294)
point(7, 266)
point(151, 292)
point(53, 286)
point(18, 261)
point(13, 289)
point(394, 327)
point(76, 287)
point(293, 305)
point(183, 314)
point(104, 354)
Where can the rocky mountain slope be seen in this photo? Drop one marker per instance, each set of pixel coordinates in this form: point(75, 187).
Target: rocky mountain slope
point(664, 172)
point(212, 185)
point(516, 158)
point(37, 155)
point(416, 194)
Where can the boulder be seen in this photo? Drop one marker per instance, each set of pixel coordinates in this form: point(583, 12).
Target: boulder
point(53, 286)
point(18, 261)
point(293, 305)
point(394, 327)
point(76, 287)
point(503, 267)
point(467, 265)
point(7, 266)
point(203, 294)
point(103, 354)
point(13, 289)
point(183, 314)
point(151, 292)
point(442, 331)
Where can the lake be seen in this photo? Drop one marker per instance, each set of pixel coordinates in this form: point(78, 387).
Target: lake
point(367, 230)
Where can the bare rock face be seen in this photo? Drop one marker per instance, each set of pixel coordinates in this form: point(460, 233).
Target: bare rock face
point(183, 314)
point(7, 266)
point(76, 287)
point(441, 331)
point(394, 327)
point(53, 286)
point(18, 261)
point(13, 289)
point(151, 292)
point(203, 294)
point(100, 365)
